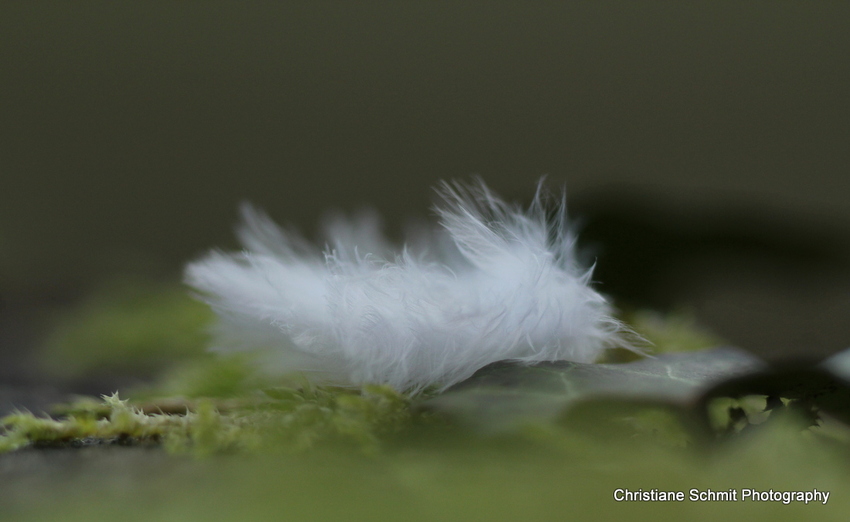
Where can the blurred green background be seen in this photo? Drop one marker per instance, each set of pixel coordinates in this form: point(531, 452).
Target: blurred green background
point(704, 145)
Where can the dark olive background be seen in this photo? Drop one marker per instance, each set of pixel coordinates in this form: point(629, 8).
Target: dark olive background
point(705, 145)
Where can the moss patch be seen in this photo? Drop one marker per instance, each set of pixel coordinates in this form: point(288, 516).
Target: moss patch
point(127, 326)
point(244, 447)
point(274, 420)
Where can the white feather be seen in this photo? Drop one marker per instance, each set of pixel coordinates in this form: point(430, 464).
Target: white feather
point(493, 282)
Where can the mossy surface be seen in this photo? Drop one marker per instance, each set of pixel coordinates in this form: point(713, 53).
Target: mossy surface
point(433, 471)
point(272, 420)
point(223, 442)
point(128, 326)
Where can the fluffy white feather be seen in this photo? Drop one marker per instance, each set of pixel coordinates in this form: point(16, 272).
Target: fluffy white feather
point(493, 282)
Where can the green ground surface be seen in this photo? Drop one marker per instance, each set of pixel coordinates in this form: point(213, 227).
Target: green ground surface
point(210, 440)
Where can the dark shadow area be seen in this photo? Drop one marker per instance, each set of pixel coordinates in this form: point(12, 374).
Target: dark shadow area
point(773, 282)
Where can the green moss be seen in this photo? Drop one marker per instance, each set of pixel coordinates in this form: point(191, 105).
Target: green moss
point(672, 332)
point(130, 326)
point(440, 473)
point(282, 419)
point(272, 449)
point(208, 375)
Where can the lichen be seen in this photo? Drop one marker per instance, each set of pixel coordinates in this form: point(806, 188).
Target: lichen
point(278, 419)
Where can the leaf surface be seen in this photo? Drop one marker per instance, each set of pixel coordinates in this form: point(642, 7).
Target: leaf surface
point(506, 395)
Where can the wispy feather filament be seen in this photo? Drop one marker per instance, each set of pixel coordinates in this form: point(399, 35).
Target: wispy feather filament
point(493, 282)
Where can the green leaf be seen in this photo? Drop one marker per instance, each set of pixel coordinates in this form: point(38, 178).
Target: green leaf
point(505, 396)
